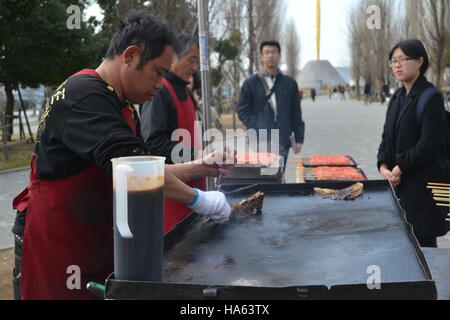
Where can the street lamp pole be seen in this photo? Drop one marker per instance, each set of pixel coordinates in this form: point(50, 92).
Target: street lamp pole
point(205, 72)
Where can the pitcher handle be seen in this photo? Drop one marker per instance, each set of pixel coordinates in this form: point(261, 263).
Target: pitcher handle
point(122, 171)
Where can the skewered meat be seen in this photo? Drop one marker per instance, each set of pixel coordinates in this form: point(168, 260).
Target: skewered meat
point(266, 159)
point(336, 173)
point(249, 206)
point(337, 160)
point(351, 193)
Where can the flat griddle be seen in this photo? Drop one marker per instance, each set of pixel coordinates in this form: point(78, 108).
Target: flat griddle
point(302, 247)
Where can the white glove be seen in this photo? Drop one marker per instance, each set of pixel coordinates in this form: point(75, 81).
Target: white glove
point(212, 204)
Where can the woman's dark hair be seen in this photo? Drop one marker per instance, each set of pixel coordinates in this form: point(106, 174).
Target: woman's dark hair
point(270, 43)
point(413, 49)
point(149, 33)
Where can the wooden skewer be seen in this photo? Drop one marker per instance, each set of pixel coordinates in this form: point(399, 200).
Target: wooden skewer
point(441, 191)
point(442, 199)
point(448, 220)
point(438, 184)
point(438, 188)
point(442, 195)
point(442, 205)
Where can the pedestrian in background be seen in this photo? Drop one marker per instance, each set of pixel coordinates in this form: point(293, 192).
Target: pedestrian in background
point(271, 101)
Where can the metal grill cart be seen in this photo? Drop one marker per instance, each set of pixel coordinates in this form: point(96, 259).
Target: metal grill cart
point(301, 247)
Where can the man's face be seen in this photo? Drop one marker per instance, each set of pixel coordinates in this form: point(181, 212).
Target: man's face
point(187, 65)
point(270, 57)
point(141, 85)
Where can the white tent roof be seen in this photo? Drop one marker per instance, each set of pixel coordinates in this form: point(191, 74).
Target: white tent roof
point(319, 73)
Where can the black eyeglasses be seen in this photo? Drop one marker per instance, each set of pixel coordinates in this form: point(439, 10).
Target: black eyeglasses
point(400, 61)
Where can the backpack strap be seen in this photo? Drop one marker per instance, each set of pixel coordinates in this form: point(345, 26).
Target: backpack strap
point(424, 99)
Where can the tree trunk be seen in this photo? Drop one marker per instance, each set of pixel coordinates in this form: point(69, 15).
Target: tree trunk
point(9, 110)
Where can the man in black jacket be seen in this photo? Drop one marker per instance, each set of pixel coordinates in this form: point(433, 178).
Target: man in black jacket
point(271, 101)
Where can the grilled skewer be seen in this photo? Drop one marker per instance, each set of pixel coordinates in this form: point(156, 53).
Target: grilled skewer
point(252, 205)
point(248, 207)
point(351, 193)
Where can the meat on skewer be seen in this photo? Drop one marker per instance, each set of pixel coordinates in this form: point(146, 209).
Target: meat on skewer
point(249, 206)
point(351, 193)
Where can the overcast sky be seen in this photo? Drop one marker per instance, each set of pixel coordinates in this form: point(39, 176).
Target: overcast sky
point(333, 29)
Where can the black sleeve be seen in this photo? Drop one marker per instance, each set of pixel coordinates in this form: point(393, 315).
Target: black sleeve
point(158, 121)
point(382, 149)
point(245, 107)
point(431, 137)
point(298, 125)
point(96, 131)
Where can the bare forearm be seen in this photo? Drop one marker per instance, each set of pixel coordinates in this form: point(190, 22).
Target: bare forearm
point(175, 189)
point(187, 171)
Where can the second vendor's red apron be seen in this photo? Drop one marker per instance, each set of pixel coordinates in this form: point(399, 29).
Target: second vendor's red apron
point(68, 238)
point(175, 212)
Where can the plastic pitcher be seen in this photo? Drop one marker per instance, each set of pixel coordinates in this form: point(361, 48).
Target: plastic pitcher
point(138, 184)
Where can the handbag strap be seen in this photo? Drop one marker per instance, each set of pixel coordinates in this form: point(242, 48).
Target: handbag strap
point(269, 92)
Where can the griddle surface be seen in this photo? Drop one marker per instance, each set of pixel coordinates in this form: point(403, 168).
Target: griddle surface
point(300, 240)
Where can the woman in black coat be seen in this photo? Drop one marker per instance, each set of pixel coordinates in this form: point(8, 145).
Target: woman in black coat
point(411, 149)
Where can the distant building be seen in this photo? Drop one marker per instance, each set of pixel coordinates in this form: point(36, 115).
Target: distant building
point(346, 74)
point(320, 74)
point(32, 97)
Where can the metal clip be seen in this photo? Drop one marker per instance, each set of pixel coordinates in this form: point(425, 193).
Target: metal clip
point(210, 293)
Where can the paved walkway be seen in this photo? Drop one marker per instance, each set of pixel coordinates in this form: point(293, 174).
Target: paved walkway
point(11, 184)
point(332, 127)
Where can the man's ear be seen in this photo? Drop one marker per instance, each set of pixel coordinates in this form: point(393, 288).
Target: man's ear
point(131, 55)
point(174, 61)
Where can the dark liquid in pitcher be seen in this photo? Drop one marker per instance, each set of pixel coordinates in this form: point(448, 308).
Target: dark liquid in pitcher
point(140, 258)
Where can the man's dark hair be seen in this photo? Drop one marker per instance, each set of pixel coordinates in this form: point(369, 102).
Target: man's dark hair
point(413, 49)
point(184, 43)
point(149, 33)
point(270, 43)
